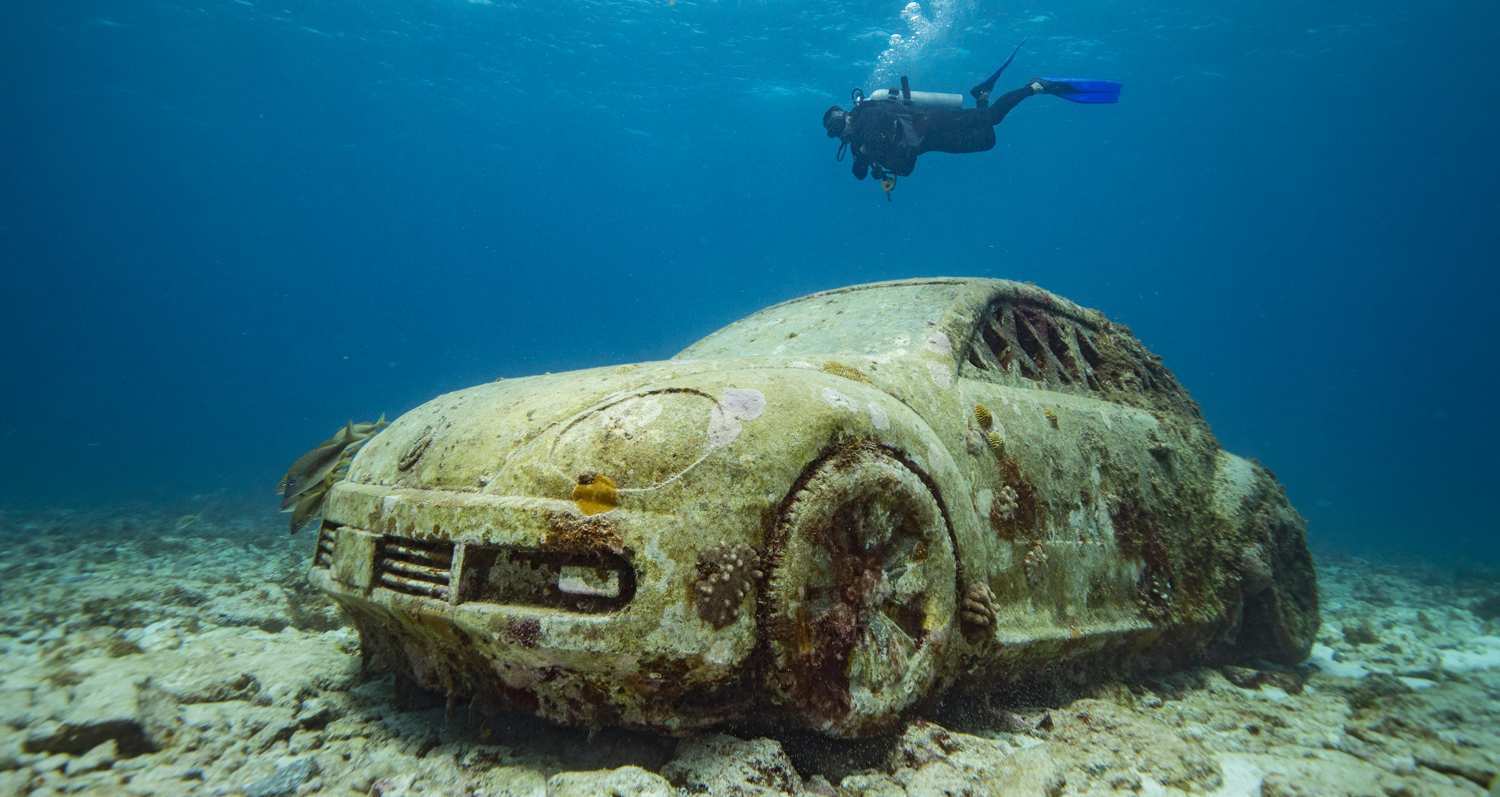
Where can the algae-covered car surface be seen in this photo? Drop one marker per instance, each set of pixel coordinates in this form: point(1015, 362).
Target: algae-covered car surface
point(825, 514)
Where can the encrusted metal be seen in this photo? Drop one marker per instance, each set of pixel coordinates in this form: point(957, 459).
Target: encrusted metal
point(822, 514)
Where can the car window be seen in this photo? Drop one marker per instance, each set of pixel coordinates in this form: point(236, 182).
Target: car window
point(1023, 344)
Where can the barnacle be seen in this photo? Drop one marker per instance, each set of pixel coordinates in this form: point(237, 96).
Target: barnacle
point(1155, 596)
point(996, 442)
point(983, 415)
point(1005, 504)
point(1035, 565)
point(845, 371)
point(1051, 416)
point(978, 611)
point(725, 573)
point(595, 493)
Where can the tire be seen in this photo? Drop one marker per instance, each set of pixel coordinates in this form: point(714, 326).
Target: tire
point(862, 597)
point(1281, 622)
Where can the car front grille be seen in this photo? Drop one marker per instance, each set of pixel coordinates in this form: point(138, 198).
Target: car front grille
point(499, 575)
point(577, 583)
point(414, 567)
point(323, 554)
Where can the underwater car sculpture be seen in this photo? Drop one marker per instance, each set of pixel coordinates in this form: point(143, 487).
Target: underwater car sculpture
point(827, 513)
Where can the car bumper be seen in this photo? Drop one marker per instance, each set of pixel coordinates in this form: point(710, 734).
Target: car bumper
point(587, 620)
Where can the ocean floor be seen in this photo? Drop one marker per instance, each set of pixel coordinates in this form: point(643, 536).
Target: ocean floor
point(140, 658)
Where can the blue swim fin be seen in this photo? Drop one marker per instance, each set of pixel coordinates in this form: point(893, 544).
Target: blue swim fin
point(1086, 90)
point(1008, 59)
point(989, 82)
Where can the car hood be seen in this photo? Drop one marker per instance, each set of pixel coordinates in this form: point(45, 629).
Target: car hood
point(613, 423)
point(643, 425)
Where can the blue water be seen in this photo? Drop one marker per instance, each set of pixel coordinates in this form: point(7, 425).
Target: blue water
point(229, 226)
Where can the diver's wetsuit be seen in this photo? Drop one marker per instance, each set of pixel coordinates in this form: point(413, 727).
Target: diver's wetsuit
point(887, 135)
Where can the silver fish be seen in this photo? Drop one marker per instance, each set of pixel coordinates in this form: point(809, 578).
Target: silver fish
point(364, 430)
point(305, 462)
point(318, 465)
point(308, 471)
point(308, 509)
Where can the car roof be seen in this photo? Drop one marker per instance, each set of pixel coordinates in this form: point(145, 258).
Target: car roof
point(1005, 332)
point(875, 318)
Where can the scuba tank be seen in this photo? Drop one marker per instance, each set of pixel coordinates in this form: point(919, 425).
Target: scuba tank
point(923, 100)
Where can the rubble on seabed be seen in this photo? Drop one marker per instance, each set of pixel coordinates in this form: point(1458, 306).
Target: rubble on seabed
point(136, 658)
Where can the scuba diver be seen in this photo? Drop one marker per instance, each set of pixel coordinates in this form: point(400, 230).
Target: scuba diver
point(888, 130)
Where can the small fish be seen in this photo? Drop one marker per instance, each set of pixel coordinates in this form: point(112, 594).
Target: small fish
point(308, 471)
point(185, 521)
point(297, 467)
point(308, 509)
point(364, 430)
point(318, 465)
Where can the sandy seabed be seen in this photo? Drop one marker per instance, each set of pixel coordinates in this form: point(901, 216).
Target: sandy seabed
point(139, 658)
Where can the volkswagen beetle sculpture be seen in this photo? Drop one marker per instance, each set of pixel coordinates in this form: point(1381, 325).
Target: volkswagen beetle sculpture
point(828, 513)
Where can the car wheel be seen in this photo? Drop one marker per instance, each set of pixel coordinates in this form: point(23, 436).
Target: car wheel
point(863, 594)
point(1281, 616)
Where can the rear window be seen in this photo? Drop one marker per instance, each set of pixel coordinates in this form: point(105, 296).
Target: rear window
point(1023, 344)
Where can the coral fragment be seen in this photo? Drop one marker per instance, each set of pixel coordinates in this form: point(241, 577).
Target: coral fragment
point(725, 574)
point(1035, 565)
point(845, 371)
point(978, 611)
point(595, 493)
point(1004, 508)
point(996, 442)
point(984, 416)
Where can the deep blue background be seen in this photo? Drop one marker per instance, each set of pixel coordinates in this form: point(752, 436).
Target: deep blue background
point(229, 226)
